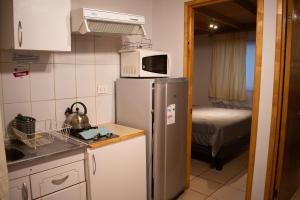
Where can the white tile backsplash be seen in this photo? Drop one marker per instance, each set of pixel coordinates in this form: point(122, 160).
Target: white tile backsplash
point(105, 109)
point(65, 83)
point(85, 49)
point(44, 57)
point(15, 89)
point(13, 109)
point(104, 76)
point(106, 50)
point(85, 80)
point(65, 57)
point(116, 72)
point(43, 110)
point(58, 79)
point(42, 82)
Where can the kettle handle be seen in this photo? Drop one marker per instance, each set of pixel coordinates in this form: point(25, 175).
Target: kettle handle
point(84, 107)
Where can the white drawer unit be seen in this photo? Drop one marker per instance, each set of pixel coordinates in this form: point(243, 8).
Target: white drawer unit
point(76, 192)
point(19, 189)
point(56, 179)
point(60, 179)
point(118, 171)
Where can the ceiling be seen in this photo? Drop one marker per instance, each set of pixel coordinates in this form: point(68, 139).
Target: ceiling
point(230, 16)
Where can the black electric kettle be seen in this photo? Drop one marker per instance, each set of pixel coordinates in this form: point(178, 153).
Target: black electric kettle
point(77, 119)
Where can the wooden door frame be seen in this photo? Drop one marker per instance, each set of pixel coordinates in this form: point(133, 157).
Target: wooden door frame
point(188, 72)
point(276, 107)
point(279, 115)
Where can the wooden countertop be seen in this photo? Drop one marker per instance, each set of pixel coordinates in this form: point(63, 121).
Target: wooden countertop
point(124, 133)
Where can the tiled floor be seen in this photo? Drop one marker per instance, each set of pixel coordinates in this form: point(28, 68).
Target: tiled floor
point(296, 196)
point(210, 184)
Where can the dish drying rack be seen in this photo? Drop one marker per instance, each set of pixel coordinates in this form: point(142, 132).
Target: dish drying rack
point(46, 132)
point(145, 43)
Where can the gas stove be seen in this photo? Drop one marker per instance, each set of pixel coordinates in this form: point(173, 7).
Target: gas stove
point(75, 134)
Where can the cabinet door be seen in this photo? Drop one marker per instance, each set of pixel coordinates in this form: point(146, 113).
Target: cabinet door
point(76, 192)
point(19, 189)
point(42, 25)
point(118, 171)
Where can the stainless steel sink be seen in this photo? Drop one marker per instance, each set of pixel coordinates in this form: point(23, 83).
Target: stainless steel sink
point(19, 155)
point(13, 154)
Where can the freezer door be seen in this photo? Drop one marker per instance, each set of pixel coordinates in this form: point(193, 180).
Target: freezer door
point(169, 137)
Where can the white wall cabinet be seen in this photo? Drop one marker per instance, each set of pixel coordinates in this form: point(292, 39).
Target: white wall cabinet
point(118, 171)
point(19, 189)
point(35, 25)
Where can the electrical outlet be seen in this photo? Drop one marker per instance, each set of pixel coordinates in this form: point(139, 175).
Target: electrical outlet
point(99, 89)
point(102, 89)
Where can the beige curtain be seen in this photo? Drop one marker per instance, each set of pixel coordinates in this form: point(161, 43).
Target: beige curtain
point(228, 70)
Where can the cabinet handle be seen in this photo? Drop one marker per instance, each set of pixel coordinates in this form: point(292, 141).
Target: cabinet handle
point(59, 181)
point(24, 192)
point(20, 34)
point(94, 165)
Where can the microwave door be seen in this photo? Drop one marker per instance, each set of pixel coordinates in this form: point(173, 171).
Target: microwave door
point(155, 64)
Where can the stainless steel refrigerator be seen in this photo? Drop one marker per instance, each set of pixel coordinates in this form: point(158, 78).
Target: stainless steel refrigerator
point(158, 106)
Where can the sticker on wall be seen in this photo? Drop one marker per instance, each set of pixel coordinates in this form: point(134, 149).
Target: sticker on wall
point(171, 110)
point(21, 70)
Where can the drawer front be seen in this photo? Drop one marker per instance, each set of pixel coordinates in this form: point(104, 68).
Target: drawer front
point(76, 192)
point(52, 180)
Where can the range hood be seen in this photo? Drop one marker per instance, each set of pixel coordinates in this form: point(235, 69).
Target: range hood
point(86, 20)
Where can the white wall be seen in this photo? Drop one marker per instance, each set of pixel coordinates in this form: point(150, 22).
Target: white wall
point(168, 17)
point(168, 31)
point(266, 95)
point(202, 69)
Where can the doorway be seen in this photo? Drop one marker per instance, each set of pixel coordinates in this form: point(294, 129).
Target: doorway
point(190, 10)
point(223, 77)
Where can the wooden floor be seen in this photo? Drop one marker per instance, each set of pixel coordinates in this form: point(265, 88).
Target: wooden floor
point(208, 183)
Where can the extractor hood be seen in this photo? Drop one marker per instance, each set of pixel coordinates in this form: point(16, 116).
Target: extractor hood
point(86, 20)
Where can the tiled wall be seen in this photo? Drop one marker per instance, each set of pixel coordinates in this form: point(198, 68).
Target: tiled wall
point(57, 80)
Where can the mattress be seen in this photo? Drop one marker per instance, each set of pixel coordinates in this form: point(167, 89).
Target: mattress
point(214, 127)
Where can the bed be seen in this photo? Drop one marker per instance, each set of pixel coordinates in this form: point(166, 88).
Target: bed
point(219, 133)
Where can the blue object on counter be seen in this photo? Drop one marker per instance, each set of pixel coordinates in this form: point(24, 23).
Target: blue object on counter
point(104, 131)
point(91, 133)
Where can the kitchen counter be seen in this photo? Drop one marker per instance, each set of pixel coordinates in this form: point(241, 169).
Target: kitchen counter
point(55, 150)
point(124, 133)
point(60, 148)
